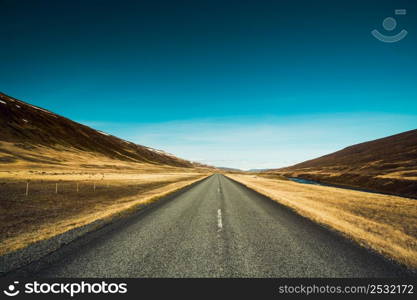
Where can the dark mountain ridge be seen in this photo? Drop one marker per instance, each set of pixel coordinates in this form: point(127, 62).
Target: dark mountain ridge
point(386, 165)
point(28, 125)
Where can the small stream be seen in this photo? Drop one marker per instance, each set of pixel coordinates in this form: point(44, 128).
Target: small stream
point(307, 181)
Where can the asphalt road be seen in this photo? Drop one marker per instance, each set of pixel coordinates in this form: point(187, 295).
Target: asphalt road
point(218, 228)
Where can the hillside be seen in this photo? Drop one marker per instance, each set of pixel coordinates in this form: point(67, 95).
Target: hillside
point(35, 135)
point(57, 175)
point(386, 165)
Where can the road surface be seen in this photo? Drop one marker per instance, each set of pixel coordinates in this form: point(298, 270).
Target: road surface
point(218, 228)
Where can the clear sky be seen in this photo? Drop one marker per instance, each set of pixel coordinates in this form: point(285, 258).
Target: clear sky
point(245, 84)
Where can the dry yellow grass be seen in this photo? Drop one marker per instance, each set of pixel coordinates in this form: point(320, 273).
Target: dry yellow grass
point(386, 224)
point(73, 162)
point(91, 186)
point(409, 174)
point(34, 219)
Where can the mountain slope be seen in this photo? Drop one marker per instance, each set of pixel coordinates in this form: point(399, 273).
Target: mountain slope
point(386, 165)
point(31, 128)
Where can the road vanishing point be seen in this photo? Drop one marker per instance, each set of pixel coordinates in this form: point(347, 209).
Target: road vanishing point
point(216, 228)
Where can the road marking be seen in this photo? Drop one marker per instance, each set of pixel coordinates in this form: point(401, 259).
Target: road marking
point(219, 219)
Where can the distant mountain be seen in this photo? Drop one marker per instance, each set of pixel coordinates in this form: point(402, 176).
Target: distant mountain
point(229, 169)
point(32, 129)
point(386, 165)
point(258, 170)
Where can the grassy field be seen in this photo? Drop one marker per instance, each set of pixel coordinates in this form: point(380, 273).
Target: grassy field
point(386, 224)
point(45, 190)
point(57, 174)
point(58, 200)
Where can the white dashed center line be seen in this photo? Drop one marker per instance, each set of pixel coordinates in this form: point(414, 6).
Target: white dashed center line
point(219, 219)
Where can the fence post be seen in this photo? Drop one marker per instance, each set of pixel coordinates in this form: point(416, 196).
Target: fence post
point(56, 188)
point(77, 187)
point(94, 186)
point(27, 188)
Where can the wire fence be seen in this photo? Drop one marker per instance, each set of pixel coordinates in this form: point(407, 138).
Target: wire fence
point(22, 191)
point(12, 191)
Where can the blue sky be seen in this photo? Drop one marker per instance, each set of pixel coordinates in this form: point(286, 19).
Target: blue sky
point(245, 84)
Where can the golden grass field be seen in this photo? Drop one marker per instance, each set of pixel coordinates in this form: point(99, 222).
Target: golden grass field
point(387, 224)
point(89, 189)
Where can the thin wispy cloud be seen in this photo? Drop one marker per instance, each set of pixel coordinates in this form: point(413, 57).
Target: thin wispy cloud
point(263, 142)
